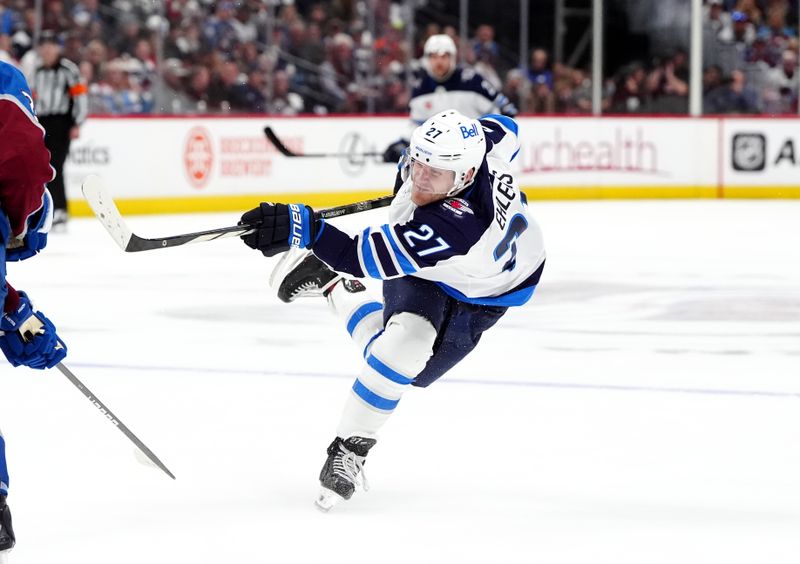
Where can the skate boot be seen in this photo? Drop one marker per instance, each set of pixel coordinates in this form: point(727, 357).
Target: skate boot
point(299, 273)
point(343, 471)
point(7, 538)
point(59, 221)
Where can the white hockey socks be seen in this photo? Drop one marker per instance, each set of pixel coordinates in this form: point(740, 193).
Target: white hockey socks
point(360, 308)
point(395, 358)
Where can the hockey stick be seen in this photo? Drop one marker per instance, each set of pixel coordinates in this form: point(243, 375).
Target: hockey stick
point(106, 210)
point(287, 152)
point(113, 418)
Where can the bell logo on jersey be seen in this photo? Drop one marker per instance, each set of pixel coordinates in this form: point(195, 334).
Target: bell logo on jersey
point(467, 132)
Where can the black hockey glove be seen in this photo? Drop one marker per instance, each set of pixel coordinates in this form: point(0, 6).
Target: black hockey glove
point(394, 151)
point(279, 227)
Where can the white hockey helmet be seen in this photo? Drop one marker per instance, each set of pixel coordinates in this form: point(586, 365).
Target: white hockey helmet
point(440, 43)
point(437, 45)
point(450, 141)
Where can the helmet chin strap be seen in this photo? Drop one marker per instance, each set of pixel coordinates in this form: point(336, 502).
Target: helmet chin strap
point(464, 184)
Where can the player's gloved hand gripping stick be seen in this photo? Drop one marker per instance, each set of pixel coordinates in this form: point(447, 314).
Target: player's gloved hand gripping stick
point(28, 338)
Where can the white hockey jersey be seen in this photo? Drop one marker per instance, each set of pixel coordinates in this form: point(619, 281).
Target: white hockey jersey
point(481, 247)
point(465, 91)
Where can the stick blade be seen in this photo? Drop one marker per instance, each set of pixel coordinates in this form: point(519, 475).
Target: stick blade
point(103, 206)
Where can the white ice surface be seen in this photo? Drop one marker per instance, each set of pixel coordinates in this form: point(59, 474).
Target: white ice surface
point(644, 407)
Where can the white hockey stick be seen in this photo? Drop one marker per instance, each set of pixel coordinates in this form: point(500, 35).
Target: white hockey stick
point(106, 210)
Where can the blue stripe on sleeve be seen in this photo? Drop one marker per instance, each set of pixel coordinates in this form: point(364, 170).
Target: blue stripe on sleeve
point(369, 258)
point(372, 398)
point(401, 258)
point(387, 372)
point(361, 313)
point(384, 256)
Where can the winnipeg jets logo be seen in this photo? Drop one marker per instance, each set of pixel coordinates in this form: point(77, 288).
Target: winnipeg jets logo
point(458, 206)
point(28, 96)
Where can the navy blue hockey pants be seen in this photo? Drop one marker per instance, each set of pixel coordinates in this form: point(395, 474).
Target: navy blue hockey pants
point(459, 325)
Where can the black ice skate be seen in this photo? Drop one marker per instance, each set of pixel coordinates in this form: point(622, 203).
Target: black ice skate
point(343, 471)
point(299, 273)
point(7, 539)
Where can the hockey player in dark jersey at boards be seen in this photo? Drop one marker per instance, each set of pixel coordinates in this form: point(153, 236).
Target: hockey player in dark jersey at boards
point(27, 337)
point(441, 85)
point(459, 249)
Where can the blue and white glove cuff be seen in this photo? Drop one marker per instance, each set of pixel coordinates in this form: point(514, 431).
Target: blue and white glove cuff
point(301, 224)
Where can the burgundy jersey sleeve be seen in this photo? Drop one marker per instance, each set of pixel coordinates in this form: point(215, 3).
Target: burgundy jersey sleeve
point(24, 160)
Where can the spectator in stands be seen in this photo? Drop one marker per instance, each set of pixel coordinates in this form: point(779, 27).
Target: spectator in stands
point(199, 82)
point(96, 54)
point(118, 94)
point(517, 89)
point(669, 79)
point(10, 20)
point(6, 49)
point(718, 21)
point(145, 71)
point(219, 32)
point(394, 96)
point(734, 97)
point(761, 51)
point(750, 9)
point(250, 96)
point(577, 98)
point(483, 45)
point(744, 32)
point(169, 95)
point(630, 92)
point(183, 42)
point(221, 89)
point(540, 68)
point(542, 99)
point(789, 8)
point(338, 71)
point(484, 65)
point(86, 12)
point(712, 78)
point(777, 32)
point(243, 24)
point(125, 40)
point(781, 86)
point(283, 100)
point(55, 18)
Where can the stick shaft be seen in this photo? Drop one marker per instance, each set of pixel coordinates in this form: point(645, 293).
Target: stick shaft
point(113, 418)
point(287, 152)
point(105, 209)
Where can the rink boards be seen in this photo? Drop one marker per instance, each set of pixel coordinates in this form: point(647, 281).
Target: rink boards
point(158, 165)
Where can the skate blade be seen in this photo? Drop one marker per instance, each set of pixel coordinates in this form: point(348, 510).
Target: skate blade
point(4, 556)
point(327, 499)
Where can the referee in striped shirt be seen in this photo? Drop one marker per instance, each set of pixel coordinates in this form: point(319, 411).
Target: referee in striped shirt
point(61, 104)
